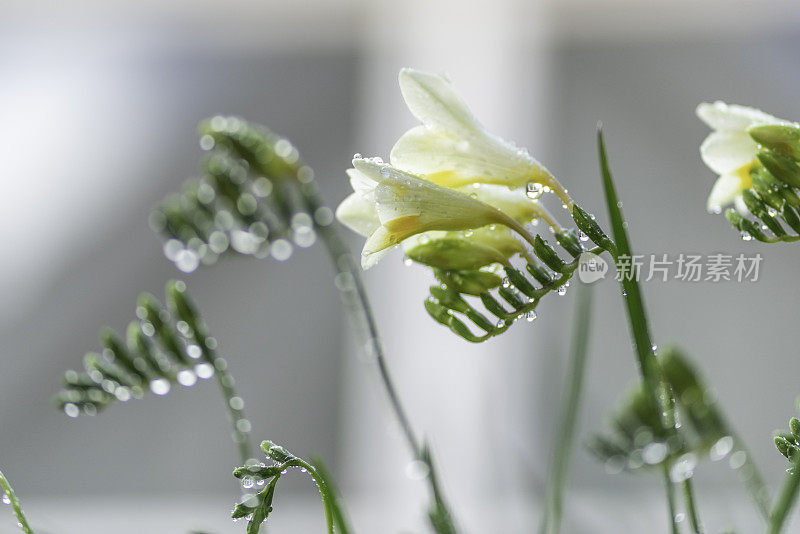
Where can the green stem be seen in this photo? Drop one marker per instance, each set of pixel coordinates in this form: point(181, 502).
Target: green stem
point(785, 501)
point(669, 489)
point(691, 510)
point(637, 316)
point(324, 491)
point(354, 295)
point(15, 504)
point(554, 496)
point(233, 404)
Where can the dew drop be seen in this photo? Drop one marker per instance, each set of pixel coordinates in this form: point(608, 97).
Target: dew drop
point(6, 499)
point(72, 410)
point(562, 290)
point(186, 378)
point(533, 190)
point(530, 316)
point(160, 386)
point(281, 250)
point(204, 370)
point(417, 470)
point(721, 448)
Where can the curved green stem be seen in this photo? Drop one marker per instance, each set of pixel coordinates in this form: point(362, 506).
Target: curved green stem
point(691, 509)
point(669, 489)
point(354, 295)
point(15, 504)
point(784, 502)
point(551, 520)
point(233, 404)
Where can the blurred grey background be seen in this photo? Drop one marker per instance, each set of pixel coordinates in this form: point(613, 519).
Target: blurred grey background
point(100, 102)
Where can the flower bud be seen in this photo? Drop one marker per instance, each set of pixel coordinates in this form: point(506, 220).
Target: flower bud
point(455, 255)
point(781, 167)
point(780, 138)
point(468, 282)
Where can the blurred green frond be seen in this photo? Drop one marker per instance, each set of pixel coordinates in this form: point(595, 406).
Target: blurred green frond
point(260, 480)
point(637, 442)
point(491, 303)
point(255, 197)
point(773, 198)
point(638, 439)
point(165, 346)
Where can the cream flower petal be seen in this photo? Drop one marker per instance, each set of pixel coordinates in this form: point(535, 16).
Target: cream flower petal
point(400, 195)
point(358, 213)
point(360, 183)
point(434, 102)
point(514, 203)
point(726, 189)
point(368, 261)
point(728, 150)
point(722, 116)
point(741, 207)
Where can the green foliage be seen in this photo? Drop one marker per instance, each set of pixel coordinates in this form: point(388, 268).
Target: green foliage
point(638, 440)
point(10, 497)
point(788, 444)
point(260, 481)
point(501, 301)
point(255, 197)
point(773, 198)
point(166, 346)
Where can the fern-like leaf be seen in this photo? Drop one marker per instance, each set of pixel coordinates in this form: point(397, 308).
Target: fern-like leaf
point(491, 304)
point(260, 481)
point(255, 197)
point(165, 346)
point(638, 440)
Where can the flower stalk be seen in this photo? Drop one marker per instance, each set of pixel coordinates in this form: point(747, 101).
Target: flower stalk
point(11, 498)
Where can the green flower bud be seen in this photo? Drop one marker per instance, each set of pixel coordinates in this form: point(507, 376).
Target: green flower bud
point(511, 297)
point(783, 168)
point(794, 427)
point(539, 273)
point(468, 282)
point(455, 255)
point(790, 216)
point(450, 298)
point(764, 184)
point(438, 312)
point(588, 226)
point(276, 452)
point(780, 138)
point(519, 281)
point(461, 330)
point(570, 242)
point(757, 207)
point(546, 253)
point(491, 304)
point(785, 445)
point(744, 225)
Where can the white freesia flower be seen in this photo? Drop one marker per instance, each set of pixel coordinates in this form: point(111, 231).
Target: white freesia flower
point(453, 149)
point(389, 206)
point(729, 150)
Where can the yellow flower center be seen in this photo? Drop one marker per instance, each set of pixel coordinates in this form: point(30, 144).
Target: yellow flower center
point(743, 174)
